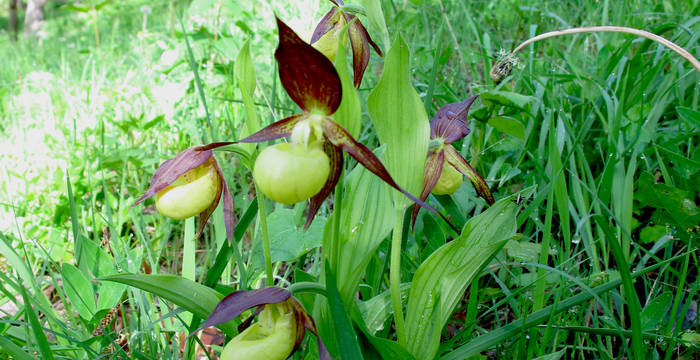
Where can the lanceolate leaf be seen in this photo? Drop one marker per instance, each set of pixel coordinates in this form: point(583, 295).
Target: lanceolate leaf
point(450, 122)
point(276, 130)
point(306, 74)
point(401, 122)
point(433, 169)
point(173, 168)
point(456, 160)
point(191, 296)
point(335, 156)
point(234, 304)
point(440, 281)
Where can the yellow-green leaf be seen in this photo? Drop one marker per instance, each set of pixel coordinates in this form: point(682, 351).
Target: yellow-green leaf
point(245, 75)
point(441, 279)
point(191, 296)
point(401, 122)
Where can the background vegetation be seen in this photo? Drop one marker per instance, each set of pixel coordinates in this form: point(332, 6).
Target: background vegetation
point(603, 141)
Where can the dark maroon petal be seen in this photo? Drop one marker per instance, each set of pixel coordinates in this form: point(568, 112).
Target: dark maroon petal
point(305, 320)
point(325, 25)
point(229, 214)
point(306, 74)
point(450, 122)
point(340, 137)
point(276, 130)
point(359, 39)
point(456, 160)
point(173, 168)
point(234, 304)
point(335, 156)
point(204, 215)
point(431, 174)
point(338, 2)
point(214, 145)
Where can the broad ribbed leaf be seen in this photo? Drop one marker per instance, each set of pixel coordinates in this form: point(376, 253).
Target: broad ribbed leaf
point(173, 168)
point(234, 304)
point(276, 130)
point(306, 74)
point(335, 157)
point(79, 291)
point(433, 170)
point(440, 281)
point(245, 75)
point(450, 122)
point(348, 343)
point(349, 113)
point(191, 296)
point(456, 160)
point(401, 122)
point(367, 216)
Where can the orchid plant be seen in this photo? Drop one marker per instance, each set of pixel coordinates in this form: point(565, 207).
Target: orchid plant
point(309, 166)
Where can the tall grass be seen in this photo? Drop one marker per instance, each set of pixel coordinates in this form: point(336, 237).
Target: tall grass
point(606, 126)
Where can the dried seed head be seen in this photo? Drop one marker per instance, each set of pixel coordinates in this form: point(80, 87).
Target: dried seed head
point(507, 61)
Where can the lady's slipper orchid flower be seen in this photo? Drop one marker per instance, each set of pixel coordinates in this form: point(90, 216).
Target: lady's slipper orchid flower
point(191, 183)
point(444, 163)
point(325, 38)
point(313, 83)
point(281, 326)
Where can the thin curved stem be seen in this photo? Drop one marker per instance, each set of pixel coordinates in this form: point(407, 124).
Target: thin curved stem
point(269, 277)
point(618, 29)
point(395, 277)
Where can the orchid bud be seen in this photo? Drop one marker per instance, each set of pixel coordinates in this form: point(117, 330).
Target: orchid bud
point(328, 42)
point(273, 337)
point(191, 193)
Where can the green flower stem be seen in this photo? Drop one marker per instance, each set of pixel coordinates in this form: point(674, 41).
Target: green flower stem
point(269, 279)
point(188, 254)
point(395, 277)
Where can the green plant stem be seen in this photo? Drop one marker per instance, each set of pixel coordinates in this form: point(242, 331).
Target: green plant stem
point(395, 277)
point(269, 279)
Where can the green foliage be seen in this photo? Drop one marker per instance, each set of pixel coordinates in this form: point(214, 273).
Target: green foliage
point(441, 279)
point(598, 133)
point(401, 123)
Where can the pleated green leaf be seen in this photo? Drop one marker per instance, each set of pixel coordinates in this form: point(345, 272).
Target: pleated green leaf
point(441, 279)
point(367, 216)
point(401, 122)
